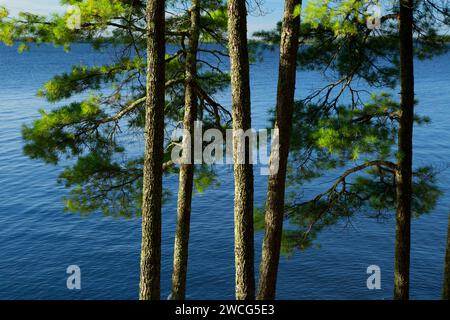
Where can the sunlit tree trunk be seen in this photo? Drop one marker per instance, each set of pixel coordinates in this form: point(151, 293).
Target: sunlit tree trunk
point(405, 154)
point(243, 173)
point(154, 151)
point(276, 187)
point(180, 259)
point(446, 289)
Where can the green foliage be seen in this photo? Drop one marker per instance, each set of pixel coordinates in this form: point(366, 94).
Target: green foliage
point(372, 192)
point(327, 139)
point(83, 78)
point(337, 40)
point(329, 135)
point(258, 219)
point(96, 19)
point(335, 141)
point(204, 178)
point(93, 131)
point(66, 130)
point(216, 20)
point(98, 183)
point(331, 139)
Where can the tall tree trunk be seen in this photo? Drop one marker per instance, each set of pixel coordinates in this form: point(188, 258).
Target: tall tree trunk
point(276, 188)
point(405, 150)
point(180, 259)
point(243, 173)
point(154, 151)
point(446, 289)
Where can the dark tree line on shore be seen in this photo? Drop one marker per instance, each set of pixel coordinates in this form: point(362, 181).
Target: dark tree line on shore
point(148, 89)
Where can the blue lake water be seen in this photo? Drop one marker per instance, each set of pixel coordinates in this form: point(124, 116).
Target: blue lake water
point(38, 240)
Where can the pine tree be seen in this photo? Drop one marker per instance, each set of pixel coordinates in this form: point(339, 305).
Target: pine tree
point(329, 134)
point(274, 214)
point(154, 153)
point(109, 104)
point(180, 260)
point(243, 173)
point(403, 177)
point(95, 131)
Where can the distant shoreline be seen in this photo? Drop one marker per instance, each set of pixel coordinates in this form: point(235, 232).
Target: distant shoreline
point(445, 39)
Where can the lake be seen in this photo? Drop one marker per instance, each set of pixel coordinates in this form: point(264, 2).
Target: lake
point(38, 240)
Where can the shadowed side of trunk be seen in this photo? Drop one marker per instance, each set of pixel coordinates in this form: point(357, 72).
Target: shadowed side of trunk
point(405, 154)
point(154, 152)
point(243, 173)
point(276, 186)
point(180, 259)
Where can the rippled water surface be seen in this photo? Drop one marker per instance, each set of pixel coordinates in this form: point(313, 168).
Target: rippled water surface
point(38, 240)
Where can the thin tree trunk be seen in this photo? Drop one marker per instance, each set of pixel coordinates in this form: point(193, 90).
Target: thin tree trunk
point(405, 150)
point(446, 289)
point(243, 173)
point(154, 151)
point(276, 187)
point(180, 259)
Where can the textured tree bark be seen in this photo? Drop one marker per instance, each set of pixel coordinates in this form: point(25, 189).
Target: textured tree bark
point(243, 173)
point(276, 187)
point(446, 289)
point(153, 157)
point(405, 150)
point(180, 259)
